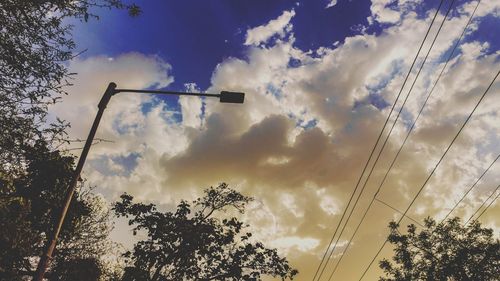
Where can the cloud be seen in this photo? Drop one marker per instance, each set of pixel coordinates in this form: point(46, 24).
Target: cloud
point(331, 4)
point(310, 127)
point(299, 243)
point(263, 33)
point(131, 70)
point(191, 107)
point(391, 11)
point(140, 127)
point(299, 141)
point(383, 14)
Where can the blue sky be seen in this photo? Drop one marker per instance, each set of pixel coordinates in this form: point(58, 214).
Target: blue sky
point(194, 41)
point(195, 36)
point(318, 84)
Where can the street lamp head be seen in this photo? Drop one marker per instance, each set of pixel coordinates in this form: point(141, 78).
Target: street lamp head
point(232, 97)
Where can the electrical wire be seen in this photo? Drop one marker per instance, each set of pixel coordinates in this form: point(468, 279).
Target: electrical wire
point(406, 137)
point(494, 191)
point(470, 189)
point(433, 170)
point(390, 132)
point(487, 207)
point(398, 211)
point(375, 146)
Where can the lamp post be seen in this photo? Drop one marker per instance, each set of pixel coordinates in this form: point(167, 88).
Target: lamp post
point(224, 97)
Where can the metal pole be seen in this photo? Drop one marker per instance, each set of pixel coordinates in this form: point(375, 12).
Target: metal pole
point(158, 92)
point(47, 256)
point(43, 264)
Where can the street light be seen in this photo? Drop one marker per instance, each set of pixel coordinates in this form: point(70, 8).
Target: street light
point(224, 97)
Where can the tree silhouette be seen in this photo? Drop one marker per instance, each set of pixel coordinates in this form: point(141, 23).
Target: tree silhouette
point(443, 251)
point(28, 204)
point(79, 269)
point(193, 243)
point(35, 46)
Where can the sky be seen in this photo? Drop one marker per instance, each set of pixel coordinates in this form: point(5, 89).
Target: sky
point(320, 78)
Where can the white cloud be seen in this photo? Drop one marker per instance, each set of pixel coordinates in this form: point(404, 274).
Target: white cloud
point(191, 107)
point(263, 33)
point(391, 11)
point(138, 125)
point(331, 4)
point(383, 14)
point(332, 88)
point(294, 242)
point(304, 132)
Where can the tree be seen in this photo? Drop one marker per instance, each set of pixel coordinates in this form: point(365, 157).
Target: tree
point(35, 46)
point(79, 269)
point(192, 243)
point(444, 251)
point(28, 204)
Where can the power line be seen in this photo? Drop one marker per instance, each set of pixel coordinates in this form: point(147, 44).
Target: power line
point(356, 230)
point(433, 170)
point(406, 138)
point(375, 146)
point(470, 189)
point(386, 140)
point(487, 207)
point(484, 202)
point(398, 211)
point(427, 99)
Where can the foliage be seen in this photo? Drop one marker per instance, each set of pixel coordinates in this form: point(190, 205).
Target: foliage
point(444, 251)
point(78, 269)
point(193, 244)
point(35, 44)
point(27, 214)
